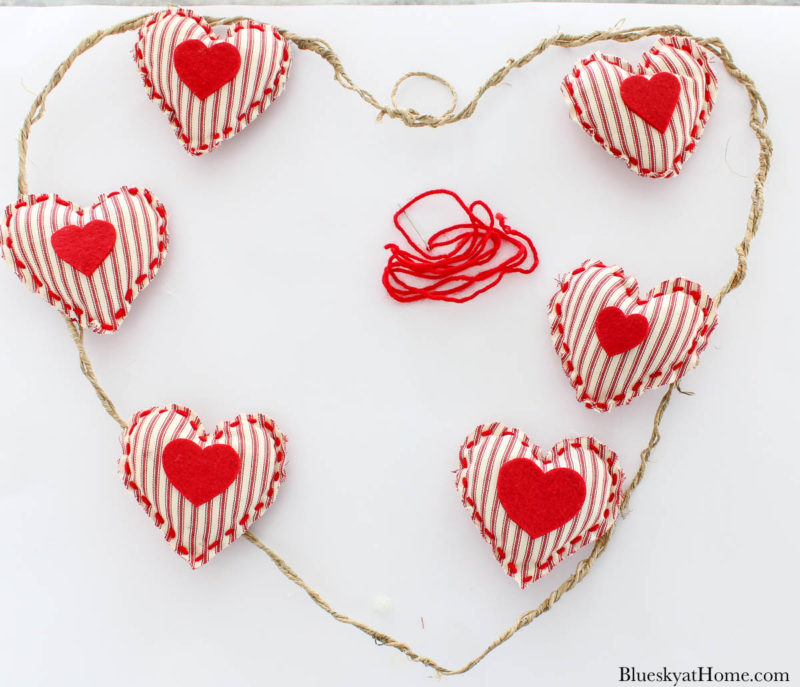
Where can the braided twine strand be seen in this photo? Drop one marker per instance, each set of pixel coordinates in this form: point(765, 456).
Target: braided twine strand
point(411, 118)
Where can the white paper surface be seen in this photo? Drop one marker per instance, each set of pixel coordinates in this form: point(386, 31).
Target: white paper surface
point(270, 301)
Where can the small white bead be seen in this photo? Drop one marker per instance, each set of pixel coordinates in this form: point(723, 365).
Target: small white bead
point(381, 603)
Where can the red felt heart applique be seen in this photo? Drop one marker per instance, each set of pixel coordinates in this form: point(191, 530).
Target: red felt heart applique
point(597, 315)
point(85, 247)
point(619, 332)
point(535, 508)
point(206, 69)
point(650, 115)
point(211, 87)
point(89, 263)
point(199, 473)
point(539, 501)
point(201, 489)
point(654, 99)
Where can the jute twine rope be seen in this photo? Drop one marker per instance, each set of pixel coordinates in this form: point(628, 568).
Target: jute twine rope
point(411, 118)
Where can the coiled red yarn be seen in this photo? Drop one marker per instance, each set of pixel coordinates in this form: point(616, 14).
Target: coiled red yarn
point(459, 262)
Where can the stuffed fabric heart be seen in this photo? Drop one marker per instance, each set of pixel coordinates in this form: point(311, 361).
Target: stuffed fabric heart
point(202, 490)
point(651, 115)
point(211, 88)
point(533, 508)
point(615, 344)
point(89, 263)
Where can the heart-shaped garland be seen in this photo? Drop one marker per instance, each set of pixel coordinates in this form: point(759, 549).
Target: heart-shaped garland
point(614, 344)
point(89, 263)
point(201, 489)
point(654, 123)
point(534, 509)
point(210, 87)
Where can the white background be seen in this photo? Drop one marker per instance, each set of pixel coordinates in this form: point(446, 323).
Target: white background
point(270, 300)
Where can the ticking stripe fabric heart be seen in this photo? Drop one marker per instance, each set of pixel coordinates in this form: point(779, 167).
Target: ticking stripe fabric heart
point(615, 344)
point(650, 115)
point(210, 87)
point(535, 508)
point(89, 263)
point(201, 489)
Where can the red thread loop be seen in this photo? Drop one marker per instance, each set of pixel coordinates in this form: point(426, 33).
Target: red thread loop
point(459, 262)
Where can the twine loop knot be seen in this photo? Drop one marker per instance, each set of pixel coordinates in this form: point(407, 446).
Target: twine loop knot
point(410, 116)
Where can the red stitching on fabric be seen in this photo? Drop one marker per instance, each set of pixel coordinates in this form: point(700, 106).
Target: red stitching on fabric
point(55, 299)
point(702, 60)
point(174, 120)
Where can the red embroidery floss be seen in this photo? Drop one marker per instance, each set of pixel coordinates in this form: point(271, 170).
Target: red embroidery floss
point(458, 262)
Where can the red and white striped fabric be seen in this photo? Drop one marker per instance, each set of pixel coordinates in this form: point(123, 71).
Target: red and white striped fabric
point(679, 316)
point(202, 123)
point(486, 455)
point(592, 91)
point(101, 299)
point(198, 532)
